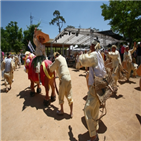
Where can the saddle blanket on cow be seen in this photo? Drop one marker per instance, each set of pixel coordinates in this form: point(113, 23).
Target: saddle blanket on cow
point(32, 75)
point(44, 71)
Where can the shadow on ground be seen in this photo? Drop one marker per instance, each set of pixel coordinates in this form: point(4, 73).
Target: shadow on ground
point(137, 88)
point(81, 137)
point(139, 118)
point(85, 97)
point(37, 102)
point(3, 90)
point(51, 110)
point(114, 95)
point(82, 75)
point(123, 82)
point(70, 133)
point(75, 70)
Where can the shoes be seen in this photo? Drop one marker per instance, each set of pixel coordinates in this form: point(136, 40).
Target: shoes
point(53, 98)
point(59, 113)
point(71, 115)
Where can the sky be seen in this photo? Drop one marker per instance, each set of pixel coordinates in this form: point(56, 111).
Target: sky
point(84, 14)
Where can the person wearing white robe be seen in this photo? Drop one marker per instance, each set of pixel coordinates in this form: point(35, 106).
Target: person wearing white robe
point(65, 86)
point(116, 63)
point(127, 61)
point(95, 63)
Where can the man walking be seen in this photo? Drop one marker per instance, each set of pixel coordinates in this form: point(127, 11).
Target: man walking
point(65, 86)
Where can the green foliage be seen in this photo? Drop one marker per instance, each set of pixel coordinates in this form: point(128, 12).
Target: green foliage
point(59, 20)
point(123, 16)
point(28, 35)
point(4, 41)
point(12, 37)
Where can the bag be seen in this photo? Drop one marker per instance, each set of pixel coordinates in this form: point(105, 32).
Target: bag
point(104, 87)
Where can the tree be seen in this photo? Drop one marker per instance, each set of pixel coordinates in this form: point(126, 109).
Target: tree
point(28, 35)
point(124, 18)
point(59, 20)
point(4, 41)
point(14, 36)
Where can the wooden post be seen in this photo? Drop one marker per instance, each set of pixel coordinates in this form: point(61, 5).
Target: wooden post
point(63, 49)
point(51, 51)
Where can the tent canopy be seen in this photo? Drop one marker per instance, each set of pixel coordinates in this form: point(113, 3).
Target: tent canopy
point(84, 37)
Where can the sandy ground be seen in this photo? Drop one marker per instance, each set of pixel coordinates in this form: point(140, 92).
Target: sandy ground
point(26, 118)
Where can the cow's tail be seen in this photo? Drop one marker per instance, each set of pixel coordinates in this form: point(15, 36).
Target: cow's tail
point(55, 84)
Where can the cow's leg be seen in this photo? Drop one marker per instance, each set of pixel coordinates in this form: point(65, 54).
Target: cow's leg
point(38, 88)
point(32, 93)
point(47, 100)
point(53, 94)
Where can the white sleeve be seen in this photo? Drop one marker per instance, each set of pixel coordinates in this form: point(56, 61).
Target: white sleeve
point(88, 60)
point(113, 55)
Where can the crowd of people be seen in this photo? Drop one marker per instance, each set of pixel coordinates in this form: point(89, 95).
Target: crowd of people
point(95, 61)
point(9, 63)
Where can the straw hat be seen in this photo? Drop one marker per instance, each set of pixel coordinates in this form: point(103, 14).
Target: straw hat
point(114, 46)
point(27, 53)
point(56, 53)
point(41, 34)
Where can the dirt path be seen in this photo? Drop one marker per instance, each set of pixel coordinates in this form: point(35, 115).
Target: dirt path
point(25, 118)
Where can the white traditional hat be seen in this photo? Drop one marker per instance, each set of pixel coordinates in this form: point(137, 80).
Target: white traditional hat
point(95, 41)
point(27, 53)
point(114, 46)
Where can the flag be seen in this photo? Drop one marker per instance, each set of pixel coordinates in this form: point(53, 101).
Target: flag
point(31, 47)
